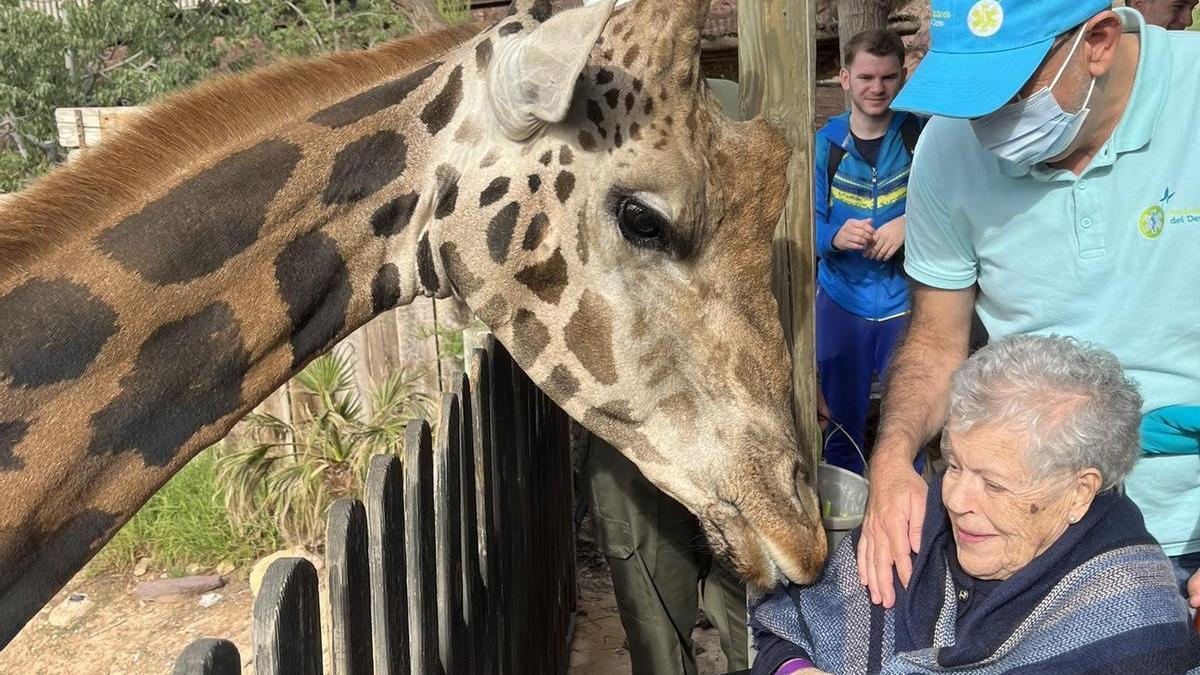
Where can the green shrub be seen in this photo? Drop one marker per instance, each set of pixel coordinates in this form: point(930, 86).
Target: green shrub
point(184, 523)
point(291, 472)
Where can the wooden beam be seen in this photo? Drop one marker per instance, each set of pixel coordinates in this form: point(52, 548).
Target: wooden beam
point(777, 53)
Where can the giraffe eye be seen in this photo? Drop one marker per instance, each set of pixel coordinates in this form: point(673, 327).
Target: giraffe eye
point(641, 225)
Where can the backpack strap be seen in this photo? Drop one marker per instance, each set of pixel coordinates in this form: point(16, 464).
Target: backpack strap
point(836, 153)
point(910, 131)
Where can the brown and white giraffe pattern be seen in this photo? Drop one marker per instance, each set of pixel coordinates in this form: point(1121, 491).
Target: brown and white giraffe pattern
point(130, 343)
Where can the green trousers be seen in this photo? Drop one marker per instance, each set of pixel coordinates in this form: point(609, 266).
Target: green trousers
point(661, 569)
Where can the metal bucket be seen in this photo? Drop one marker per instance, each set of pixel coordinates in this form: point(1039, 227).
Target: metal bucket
point(843, 497)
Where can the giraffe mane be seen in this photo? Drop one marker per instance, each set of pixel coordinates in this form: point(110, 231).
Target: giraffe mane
point(182, 129)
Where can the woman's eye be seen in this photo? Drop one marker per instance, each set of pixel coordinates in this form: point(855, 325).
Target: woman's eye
point(992, 487)
point(641, 225)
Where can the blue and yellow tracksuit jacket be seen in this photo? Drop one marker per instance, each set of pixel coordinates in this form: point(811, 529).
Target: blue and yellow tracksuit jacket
point(871, 289)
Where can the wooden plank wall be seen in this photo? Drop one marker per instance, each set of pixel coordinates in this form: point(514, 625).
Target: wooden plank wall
point(777, 51)
point(405, 337)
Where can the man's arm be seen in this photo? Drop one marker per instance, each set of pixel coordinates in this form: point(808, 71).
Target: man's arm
point(914, 409)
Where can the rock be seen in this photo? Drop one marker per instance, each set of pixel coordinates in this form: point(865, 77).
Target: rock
point(174, 590)
point(260, 568)
point(70, 611)
point(209, 599)
point(194, 568)
point(141, 567)
point(225, 568)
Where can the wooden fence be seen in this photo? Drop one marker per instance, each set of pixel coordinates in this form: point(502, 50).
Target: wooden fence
point(461, 560)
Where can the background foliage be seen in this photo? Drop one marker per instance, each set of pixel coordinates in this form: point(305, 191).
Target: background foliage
point(126, 52)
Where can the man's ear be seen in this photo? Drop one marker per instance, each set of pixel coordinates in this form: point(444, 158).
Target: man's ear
point(844, 78)
point(1103, 35)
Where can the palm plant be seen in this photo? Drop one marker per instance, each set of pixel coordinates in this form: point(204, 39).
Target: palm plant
point(293, 470)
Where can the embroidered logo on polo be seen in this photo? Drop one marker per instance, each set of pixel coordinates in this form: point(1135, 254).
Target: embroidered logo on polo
point(1155, 218)
point(985, 18)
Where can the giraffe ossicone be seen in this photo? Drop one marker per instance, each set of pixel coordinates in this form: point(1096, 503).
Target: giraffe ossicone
point(571, 178)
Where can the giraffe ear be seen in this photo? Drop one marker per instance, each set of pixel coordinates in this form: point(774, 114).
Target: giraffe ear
point(532, 78)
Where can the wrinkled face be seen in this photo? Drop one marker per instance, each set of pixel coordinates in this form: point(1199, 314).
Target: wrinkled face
point(1170, 14)
point(1003, 515)
point(872, 82)
point(636, 285)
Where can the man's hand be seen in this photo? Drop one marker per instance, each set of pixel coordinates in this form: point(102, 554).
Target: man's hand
point(855, 235)
point(888, 239)
point(891, 528)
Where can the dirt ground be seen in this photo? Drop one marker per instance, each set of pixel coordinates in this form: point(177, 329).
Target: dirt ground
point(122, 635)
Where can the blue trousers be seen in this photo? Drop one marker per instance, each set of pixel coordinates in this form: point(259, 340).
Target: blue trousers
point(851, 352)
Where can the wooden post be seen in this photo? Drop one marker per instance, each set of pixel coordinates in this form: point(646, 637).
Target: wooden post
point(209, 656)
point(287, 620)
point(776, 52)
point(388, 564)
point(349, 587)
point(452, 641)
point(419, 549)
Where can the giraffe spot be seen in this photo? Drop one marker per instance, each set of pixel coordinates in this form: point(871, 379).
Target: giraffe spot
point(612, 97)
point(456, 269)
point(565, 156)
point(483, 54)
point(315, 285)
point(494, 311)
point(391, 218)
point(589, 337)
point(660, 144)
point(546, 157)
point(536, 232)
point(188, 374)
point(364, 166)
point(34, 573)
point(447, 193)
point(535, 183)
point(564, 185)
point(489, 159)
point(631, 55)
point(440, 110)
point(619, 411)
point(581, 234)
point(546, 279)
point(648, 106)
point(510, 28)
point(680, 407)
point(595, 113)
point(604, 76)
point(11, 433)
point(500, 231)
point(630, 99)
point(494, 191)
point(373, 100)
point(668, 120)
point(51, 331)
point(426, 271)
point(205, 220)
point(587, 141)
point(562, 383)
point(635, 131)
point(607, 54)
point(530, 337)
point(540, 11)
point(637, 84)
point(617, 140)
point(385, 288)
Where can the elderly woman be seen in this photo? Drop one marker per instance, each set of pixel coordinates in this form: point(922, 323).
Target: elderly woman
point(1031, 559)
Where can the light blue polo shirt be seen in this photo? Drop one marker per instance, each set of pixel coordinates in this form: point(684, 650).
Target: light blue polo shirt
point(1110, 257)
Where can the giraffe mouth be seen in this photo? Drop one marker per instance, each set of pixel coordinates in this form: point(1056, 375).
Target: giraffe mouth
point(766, 551)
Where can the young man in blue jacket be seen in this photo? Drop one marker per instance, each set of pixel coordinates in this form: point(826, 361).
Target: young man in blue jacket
point(862, 160)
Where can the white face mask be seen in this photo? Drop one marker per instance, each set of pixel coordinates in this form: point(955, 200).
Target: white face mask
point(1034, 129)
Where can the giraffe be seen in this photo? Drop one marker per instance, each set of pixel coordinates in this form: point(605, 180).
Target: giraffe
point(569, 176)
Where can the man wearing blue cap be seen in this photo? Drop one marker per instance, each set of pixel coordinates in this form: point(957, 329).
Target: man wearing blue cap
point(1056, 190)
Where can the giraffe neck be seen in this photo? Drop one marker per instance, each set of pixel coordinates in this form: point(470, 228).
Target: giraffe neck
point(144, 339)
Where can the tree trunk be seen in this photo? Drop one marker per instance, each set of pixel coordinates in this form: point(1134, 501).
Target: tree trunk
point(855, 16)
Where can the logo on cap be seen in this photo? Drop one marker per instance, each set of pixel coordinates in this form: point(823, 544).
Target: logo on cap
point(985, 18)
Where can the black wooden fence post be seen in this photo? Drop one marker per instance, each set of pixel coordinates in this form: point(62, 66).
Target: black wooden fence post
point(388, 565)
point(419, 549)
point(485, 506)
point(209, 656)
point(287, 620)
point(472, 583)
point(447, 504)
point(349, 588)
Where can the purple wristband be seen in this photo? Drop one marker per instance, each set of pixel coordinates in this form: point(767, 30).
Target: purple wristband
point(792, 666)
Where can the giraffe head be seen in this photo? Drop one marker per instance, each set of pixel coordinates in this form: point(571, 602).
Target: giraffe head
point(622, 250)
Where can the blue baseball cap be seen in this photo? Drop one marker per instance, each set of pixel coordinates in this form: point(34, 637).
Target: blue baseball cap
point(983, 51)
